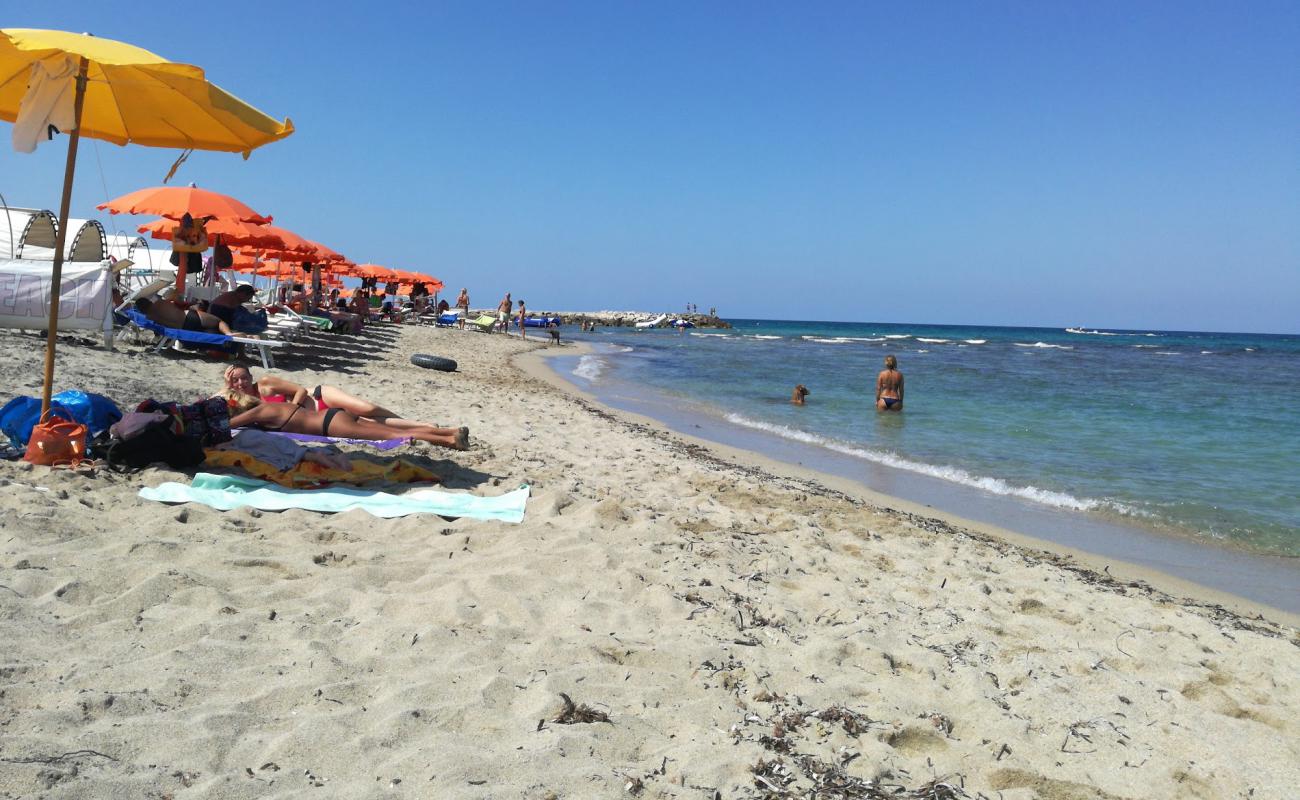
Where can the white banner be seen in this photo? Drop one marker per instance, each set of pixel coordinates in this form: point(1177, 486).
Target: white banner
point(85, 296)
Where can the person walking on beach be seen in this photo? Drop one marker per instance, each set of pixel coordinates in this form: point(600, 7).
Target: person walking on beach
point(889, 387)
point(503, 312)
point(462, 303)
point(523, 331)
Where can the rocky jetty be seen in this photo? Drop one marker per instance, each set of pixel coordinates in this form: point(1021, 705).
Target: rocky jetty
point(629, 318)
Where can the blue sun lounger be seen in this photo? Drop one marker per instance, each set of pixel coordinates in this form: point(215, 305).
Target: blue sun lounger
point(171, 336)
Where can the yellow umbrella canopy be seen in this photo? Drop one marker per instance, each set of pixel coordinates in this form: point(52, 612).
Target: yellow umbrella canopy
point(134, 96)
point(121, 94)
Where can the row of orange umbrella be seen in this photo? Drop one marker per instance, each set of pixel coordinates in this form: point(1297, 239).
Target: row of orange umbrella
point(240, 226)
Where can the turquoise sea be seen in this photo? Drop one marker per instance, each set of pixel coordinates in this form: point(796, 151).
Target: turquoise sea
point(1186, 432)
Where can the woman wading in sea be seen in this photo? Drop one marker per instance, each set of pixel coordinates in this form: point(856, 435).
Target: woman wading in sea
point(889, 387)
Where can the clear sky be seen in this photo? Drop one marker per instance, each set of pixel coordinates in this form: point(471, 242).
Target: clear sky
point(1104, 164)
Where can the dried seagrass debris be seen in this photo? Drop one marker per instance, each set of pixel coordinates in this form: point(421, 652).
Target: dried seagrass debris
point(940, 721)
point(777, 781)
point(573, 713)
point(773, 775)
point(853, 722)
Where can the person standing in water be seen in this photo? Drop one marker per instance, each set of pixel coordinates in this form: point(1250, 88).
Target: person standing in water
point(889, 387)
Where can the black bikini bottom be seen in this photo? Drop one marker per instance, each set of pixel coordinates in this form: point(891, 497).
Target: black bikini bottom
point(325, 423)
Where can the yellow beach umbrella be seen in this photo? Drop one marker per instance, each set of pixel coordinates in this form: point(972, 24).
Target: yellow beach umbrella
point(121, 94)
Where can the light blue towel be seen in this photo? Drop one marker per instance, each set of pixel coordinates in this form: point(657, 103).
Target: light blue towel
point(226, 492)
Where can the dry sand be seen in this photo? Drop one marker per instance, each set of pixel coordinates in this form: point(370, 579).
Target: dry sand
point(747, 634)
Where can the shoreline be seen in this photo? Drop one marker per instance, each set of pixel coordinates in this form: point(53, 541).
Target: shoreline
point(1098, 564)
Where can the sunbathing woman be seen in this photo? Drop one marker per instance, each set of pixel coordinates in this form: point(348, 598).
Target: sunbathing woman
point(337, 422)
point(241, 389)
point(244, 395)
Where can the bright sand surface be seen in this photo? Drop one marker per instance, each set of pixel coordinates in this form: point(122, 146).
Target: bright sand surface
point(748, 633)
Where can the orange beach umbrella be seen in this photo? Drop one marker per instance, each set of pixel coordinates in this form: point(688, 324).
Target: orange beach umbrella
point(232, 232)
point(175, 202)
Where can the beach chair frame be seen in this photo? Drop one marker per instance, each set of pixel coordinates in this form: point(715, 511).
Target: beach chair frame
point(168, 337)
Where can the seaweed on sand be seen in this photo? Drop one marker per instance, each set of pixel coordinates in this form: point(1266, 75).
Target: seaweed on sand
point(573, 713)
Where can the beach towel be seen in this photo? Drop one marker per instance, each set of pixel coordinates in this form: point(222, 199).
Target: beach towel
point(385, 444)
point(226, 492)
point(311, 475)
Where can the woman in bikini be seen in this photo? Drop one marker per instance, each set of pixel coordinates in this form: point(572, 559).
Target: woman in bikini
point(889, 387)
point(293, 418)
point(242, 394)
point(241, 388)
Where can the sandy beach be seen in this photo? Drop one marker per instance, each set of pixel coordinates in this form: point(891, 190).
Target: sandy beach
point(670, 621)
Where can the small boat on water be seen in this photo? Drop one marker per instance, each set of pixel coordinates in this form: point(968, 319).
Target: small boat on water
point(652, 322)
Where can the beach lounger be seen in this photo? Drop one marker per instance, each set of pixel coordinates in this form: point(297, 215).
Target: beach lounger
point(122, 320)
point(447, 319)
point(171, 336)
point(485, 322)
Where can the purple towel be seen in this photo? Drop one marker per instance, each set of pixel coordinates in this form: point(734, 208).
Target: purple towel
point(378, 445)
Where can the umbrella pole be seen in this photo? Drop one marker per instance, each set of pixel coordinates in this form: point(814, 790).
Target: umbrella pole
point(56, 274)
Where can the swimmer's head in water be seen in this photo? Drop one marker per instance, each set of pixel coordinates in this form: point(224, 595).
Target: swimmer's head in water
point(801, 390)
point(891, 362)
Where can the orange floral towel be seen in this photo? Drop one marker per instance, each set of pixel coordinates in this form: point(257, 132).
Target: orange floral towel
point(310, 475)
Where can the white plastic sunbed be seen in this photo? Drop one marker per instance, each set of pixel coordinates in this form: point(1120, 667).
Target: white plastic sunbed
point(172, 336)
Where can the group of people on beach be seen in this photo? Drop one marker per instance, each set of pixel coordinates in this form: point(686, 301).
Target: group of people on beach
point(889, 388)
point(274, 403)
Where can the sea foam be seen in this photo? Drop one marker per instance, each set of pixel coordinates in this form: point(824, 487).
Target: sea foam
point(842, 339)
point(589, 367)
point(947, 473)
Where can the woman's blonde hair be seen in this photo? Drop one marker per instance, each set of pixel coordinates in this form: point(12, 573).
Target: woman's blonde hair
point(238, 402)
point(891, 362)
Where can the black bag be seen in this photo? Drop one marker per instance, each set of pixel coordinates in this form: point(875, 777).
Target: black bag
point(176, 258)
point(222, 258)
point(157, 442)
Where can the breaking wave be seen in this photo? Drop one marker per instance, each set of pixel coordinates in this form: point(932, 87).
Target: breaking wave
point(951, 474)
point(589, 367)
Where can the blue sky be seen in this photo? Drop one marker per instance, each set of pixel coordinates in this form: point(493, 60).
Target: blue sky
point(1103, 164)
